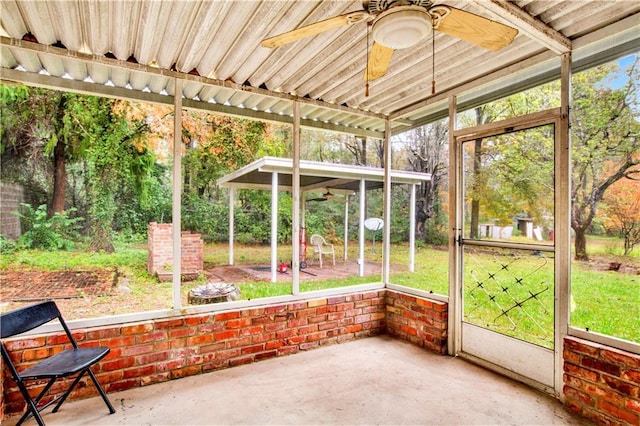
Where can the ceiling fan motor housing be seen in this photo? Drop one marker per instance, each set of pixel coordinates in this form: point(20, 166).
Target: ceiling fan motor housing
point(375, 7)
point(402, 27)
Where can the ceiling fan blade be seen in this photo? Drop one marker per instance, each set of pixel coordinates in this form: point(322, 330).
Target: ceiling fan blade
point(474, 29)
point(379, 60)
point(315, 28)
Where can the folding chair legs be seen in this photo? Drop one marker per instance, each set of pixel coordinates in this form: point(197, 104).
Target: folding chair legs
point(34, 410)
point(32, 404)
point(102, 393)
point(95, 382)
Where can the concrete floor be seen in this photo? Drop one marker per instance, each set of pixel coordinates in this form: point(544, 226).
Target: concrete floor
point(370, 381)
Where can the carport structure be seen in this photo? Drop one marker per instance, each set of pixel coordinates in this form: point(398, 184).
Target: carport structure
point(206, 55)
point(276, 174)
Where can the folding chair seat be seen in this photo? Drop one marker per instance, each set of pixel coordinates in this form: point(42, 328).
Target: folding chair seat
point(67, 363)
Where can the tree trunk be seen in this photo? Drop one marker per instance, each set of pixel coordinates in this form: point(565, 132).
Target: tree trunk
point(475, 202)
point(59, 161)
point(581, 244)
point(59, 178)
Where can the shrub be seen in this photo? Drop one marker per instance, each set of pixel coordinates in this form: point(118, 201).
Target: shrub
point(7, 245)
point(436, 236)
point(55, 233)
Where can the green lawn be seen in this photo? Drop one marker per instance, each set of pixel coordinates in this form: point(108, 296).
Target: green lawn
point(602, 301)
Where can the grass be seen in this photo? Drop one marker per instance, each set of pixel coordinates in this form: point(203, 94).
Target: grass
point(610, 247)
point(512, 292)
point(604, 302)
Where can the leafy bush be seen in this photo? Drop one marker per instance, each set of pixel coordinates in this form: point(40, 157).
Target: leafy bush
point(205, 217)
point(7, 245)
point(436, 236)
point(55, 233)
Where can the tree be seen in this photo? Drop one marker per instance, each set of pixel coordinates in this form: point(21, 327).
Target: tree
point(358, 147)
point(40, 128)
point(115, 156)
point(427, 152)
point(606, 141)
point(212, 145)
point(85, 136)
point(621, 211)
point(605, 135)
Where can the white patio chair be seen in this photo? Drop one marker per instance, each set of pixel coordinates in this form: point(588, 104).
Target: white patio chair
point(321, 247)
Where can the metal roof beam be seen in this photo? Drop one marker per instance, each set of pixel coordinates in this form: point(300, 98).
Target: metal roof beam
point(120, 64)
point(59, 83)
point(529, 25)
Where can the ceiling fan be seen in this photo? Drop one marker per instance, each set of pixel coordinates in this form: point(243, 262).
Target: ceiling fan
point(400, 24)
point(325, 197)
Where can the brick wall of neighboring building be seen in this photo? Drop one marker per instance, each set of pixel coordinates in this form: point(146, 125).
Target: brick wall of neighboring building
point(601, 383)
point(11, 195)
point(160, 257)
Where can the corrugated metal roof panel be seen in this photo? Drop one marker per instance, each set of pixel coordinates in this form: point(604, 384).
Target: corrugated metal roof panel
point(220, 41)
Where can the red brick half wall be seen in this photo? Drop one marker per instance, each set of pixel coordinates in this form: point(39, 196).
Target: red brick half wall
point(420, 321)
point(155, 351)
point(601, 383)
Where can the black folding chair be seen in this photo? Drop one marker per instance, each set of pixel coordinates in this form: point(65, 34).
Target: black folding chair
point(63, 364)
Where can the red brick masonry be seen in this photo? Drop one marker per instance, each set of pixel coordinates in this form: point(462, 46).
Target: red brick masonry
point(601, 383)
point(160, 257)
point(419, 321)
point(154, 351)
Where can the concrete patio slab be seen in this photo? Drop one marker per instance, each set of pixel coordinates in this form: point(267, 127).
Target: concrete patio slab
point(377, 380)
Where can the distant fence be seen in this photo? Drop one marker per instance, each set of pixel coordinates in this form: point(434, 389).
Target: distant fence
point(11, 195)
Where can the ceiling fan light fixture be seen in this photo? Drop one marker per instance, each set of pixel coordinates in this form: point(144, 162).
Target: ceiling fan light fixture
point(401, 27)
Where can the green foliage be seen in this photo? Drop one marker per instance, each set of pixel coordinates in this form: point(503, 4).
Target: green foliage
point(7, 245)
point(98, 155)
point(55, 233)
point(252, 219)
point(134, 210)
point(218, 144)
point(436, 228)
point(116, 163)
point(207, 218)
point(436, 236)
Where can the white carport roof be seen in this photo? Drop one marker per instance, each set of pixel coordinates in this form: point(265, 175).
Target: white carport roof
point(314, 175)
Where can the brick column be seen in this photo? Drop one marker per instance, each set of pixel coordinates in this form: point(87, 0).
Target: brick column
point(160, 257)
